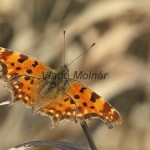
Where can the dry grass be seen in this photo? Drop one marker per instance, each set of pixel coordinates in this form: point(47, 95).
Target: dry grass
point(122, 33)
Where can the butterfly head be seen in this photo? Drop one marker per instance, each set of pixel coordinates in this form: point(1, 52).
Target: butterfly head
point(64, 71)
point(57, 75)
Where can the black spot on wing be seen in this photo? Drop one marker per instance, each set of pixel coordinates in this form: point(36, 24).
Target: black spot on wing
point(82, 89)
point(66, 99)
point(92, 107)
point(12, 64)
point(35, 64)
point(84, 104)
point(94, 96)
point(18, 68)
point(29, 71)
point(26, 78)
point(76, 96)
point(22, 58)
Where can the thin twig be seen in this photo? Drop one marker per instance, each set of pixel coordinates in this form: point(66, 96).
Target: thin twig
point(50, 144)
point(88, 134)
point(64, 46)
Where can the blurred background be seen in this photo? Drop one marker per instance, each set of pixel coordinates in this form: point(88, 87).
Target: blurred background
point(121, 29)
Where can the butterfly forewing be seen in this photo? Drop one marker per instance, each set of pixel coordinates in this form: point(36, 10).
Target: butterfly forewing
point(91, 104)
point(14, 64)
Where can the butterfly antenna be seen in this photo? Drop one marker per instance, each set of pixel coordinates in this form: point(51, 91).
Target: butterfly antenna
point(81, 54)
point(64, 46)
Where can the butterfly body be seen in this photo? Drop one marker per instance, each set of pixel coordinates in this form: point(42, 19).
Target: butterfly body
point(51, 92)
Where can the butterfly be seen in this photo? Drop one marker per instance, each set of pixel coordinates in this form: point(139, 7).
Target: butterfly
point(30, 82)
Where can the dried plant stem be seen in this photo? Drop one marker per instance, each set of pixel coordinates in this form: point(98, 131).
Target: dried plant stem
point(88, 135)
point(5, 103)
point(50, 144)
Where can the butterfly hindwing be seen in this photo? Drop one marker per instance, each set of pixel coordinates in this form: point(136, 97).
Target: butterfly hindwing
point(62, 108)
point(24, 89)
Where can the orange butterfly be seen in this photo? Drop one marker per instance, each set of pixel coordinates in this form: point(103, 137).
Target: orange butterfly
point(59, 98)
